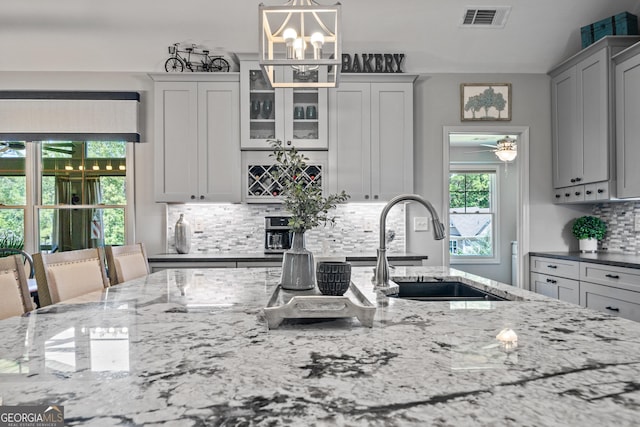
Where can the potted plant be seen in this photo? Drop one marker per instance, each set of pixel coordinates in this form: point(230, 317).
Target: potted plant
point(588, 230)
point(303, 199)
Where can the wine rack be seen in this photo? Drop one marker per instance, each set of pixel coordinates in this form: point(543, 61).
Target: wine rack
point(265, 181)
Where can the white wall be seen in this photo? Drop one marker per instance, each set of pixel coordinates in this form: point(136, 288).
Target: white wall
point(437, 102)
point(437, 99)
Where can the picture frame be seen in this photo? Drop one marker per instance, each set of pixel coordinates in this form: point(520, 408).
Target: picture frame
point(485, 102)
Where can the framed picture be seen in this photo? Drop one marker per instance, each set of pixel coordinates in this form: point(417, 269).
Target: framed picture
point(485, 101)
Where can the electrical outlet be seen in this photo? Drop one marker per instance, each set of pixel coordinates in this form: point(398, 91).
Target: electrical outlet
point(198, 226)
point(421, 223)
point(636, 223)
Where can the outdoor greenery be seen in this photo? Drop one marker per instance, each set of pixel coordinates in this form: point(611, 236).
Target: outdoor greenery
point(589, 227)
point(112, 185)
point(469, 190)
point(302, 199)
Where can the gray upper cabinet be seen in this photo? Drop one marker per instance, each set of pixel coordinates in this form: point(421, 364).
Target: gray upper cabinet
point(582, 121)
point(371, 136)
point(197, 137)
point(627, 76)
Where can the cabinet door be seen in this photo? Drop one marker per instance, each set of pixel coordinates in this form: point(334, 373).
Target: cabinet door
point(219, 142)
point(350, 140)
point(567, 152)
point(261, 108)
point(556, 287)
point(305, 114)
point(391, 139)
point(593, 117)
point(176, 141)
point(628, 127)
point(618, 302)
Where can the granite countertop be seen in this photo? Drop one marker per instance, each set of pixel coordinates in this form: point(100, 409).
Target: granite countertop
point(607, 258)
point(188, 347)
point(260, 256)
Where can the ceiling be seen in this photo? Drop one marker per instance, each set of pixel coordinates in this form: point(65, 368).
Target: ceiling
point(133, 35)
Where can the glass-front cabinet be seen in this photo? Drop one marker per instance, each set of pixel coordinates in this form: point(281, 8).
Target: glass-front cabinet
point(296, 116)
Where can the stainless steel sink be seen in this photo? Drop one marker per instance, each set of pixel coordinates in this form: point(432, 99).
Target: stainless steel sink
point(442, 291)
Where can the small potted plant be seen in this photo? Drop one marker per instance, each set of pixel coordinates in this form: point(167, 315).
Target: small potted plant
point(588, 230)
point(303, 199)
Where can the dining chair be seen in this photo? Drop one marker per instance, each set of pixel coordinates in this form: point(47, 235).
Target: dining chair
point(15, 298)
point(65, 275)
point(126, 262)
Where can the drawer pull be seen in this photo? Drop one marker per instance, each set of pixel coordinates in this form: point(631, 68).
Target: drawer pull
point(551, 281)
point(552, 266)
point(612, 308)
point(612, 276)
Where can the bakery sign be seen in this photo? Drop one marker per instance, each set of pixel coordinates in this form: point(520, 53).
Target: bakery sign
point(372, 63)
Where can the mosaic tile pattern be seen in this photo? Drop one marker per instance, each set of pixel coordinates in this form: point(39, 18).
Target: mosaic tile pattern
point(621, 236)
point(233, 228)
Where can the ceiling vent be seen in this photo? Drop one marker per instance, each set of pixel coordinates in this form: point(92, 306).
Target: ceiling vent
point(485, 17)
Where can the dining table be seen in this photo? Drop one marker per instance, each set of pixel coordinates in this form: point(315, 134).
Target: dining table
point(194, 347)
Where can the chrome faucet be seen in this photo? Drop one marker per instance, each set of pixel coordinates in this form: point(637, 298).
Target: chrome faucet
point(381, 277)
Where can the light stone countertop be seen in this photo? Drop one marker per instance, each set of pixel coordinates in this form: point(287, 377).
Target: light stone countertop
point(191, 347)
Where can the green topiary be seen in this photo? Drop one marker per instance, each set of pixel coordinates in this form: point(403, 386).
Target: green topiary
point(589, 227)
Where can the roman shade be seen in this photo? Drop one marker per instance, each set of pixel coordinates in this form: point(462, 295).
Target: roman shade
point(68, 115)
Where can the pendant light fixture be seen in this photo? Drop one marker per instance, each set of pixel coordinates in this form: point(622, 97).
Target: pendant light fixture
point(300, 44)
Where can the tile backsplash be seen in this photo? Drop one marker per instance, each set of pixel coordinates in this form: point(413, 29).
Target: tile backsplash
point(239, 228)
point(620, 217)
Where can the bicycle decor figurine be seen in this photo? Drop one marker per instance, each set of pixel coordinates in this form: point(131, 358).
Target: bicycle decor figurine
point(177, 63)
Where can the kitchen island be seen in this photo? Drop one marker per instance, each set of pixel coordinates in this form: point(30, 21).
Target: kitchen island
point(191, 347)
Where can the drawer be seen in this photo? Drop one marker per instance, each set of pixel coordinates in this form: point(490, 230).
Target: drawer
point(608, 299)
point(621, 277)
point(556, 267)
point(556, 287)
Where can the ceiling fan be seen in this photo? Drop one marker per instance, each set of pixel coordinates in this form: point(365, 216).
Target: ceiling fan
point(506, 149)
point(19, 145)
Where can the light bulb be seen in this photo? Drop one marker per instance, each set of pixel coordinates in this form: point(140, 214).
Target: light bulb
point(68, 167)
point(122, 167)
point(80, 167)
point(506, 155)
point(317, 39)
point(289, 35)
point(298, 46)
point(96, 167)
point(109, 167)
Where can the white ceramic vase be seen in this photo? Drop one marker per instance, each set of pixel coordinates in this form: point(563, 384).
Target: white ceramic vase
point(588, 245)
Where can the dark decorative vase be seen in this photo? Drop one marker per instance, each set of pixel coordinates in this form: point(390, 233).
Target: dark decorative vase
point(333, 277)
point(298, 269)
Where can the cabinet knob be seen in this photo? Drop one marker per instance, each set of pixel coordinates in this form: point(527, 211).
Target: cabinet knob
point(551, 281)
point(557, 196)
point(612, 308)
point(552, 266)
point(375, 197)
point(577, 193)
point(588, 191)
point(288, 142)
point(567, 194)
point(578, 179)
point(600, 191)
point(573, 180)
point(612, 276)
point(193, 197)
point(201, 197)
point(366, 196)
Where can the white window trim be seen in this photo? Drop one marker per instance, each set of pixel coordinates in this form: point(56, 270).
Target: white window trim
point(495, 203)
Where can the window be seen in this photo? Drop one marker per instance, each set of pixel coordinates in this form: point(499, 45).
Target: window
point(79, 193)
point(472, 214)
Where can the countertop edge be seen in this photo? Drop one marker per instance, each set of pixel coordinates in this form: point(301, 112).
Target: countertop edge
point(604, 258)
point(258, 257)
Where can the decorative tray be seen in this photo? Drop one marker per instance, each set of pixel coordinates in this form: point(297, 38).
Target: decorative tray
point(311, 304)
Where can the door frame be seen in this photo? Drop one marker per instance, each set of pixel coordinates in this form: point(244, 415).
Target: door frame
point(523, 225)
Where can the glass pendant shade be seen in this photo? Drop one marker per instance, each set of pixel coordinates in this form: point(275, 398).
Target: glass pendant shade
point(298, 38)
point(507, 149)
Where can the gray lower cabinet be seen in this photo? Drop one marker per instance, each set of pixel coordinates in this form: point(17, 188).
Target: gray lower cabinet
point(610, 289)
point(556, 278)
point(614, 290)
